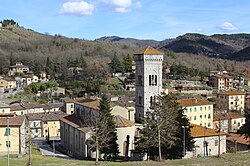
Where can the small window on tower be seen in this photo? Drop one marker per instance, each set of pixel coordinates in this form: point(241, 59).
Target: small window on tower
point(150, 80)
point(155, 79)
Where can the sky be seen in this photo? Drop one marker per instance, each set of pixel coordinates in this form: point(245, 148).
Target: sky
point(142, 19)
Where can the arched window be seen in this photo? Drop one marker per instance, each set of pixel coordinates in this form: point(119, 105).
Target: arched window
point(151, 101)
point(150, 80)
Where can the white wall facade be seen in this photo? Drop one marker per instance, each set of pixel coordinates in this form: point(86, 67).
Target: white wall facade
point(148, 67)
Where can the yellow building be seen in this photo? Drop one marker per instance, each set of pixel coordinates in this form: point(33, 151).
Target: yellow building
point(8, 83)
point(16, 138)
point(198, 111)
point(231, 100)
point(4, 108)
point(221, 81)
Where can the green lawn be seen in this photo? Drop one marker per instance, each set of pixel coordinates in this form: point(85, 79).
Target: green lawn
point(38, 160)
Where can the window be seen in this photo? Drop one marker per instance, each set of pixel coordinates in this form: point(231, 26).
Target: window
point(232, 102)
point(194, 109)
point(72, 105)
point(139, 80)
point(205, 116)
point(238, 124)
point(140, 100)
point(3, 111)
point(190, 110)
point(200, 116)
point(234, 121)
point(8, 144)
point(7, 131)
point(209, 116)
point(209, 124)
point(152, 79)
point(36, 130)
point(155, 79)
point(215, 142)
point(209, 107)
point(194, 117)
point(150, 83)
point(34, 124)
point(200, 108)
point(46, 131)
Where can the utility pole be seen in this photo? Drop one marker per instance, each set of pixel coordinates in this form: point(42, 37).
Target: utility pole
point(8, 142)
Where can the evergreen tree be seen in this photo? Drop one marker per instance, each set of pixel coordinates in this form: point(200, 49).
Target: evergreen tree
point(127, 63)
point(162, 132)
point(82, 62)
point(49, 67)
point(105, 135)
point(115, 65)
point(245, 129)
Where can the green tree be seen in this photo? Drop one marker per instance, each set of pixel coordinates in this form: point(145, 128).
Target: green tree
point(51, 86)
point(245, 129)
point(105, 135)
point(127, 63)
point(82, 62)
point(116, 65)
point(49, 67)
point(162, 130)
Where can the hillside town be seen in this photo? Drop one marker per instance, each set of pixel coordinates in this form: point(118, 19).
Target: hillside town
point(60, 123)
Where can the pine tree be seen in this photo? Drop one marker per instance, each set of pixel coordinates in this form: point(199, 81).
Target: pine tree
point(116, 65)
point(127, 62)
point(162, 132)
point(105, 135)
point(245, 129)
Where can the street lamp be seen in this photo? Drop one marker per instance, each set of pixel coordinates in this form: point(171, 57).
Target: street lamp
point(184, 138)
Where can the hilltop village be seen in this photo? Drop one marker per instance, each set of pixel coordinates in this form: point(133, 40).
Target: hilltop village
point(214, 107)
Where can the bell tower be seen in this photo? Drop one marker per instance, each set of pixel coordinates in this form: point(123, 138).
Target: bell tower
point(148, 80)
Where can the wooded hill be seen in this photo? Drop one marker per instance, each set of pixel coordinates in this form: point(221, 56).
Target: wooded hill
point(192, 50)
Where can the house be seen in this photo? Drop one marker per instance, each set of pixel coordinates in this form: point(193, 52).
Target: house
point(45, 125)
point(238, 142)
point(43, 76)
point(229, 121)
point(221, 82)
point(198, 111)
point(206, 141)
point(12, 134)
point(8, 83)
point(68, 106)
point(231, 100)
point(18, 68)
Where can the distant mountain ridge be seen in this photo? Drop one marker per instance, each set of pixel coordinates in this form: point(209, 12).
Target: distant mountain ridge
point(227, 46)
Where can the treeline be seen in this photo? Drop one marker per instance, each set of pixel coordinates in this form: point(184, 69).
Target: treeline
point(184, 71)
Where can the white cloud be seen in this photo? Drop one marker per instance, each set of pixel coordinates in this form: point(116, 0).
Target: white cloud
point(199, 29)
point(227, 26)
point(138, 4)
point(77, 8)
point(118, 5)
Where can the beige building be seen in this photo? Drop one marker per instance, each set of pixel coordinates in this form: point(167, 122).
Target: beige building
point(221, 82)
point(8, 83)
point(16, 138)
point(45, 125)
point(198, 111)
point(231, 100)
point(229, 122)
point(18, 68)
point(247, 102)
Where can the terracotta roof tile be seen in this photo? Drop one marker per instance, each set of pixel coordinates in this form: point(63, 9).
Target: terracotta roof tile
point(193, 102)
point(13, 121)
point(238, 138)
point(149, 51)
point(229, 115)
point(122, 122)
point(200, 131)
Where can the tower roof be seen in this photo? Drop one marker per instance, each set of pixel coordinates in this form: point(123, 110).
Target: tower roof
point(149, 51)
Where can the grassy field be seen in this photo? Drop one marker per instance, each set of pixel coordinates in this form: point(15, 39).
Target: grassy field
point(240, 159)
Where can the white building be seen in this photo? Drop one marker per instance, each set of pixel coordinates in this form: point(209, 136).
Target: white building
point(206, 142)
point(148, 79)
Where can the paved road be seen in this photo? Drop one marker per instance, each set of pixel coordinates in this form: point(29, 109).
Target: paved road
point(46, 150)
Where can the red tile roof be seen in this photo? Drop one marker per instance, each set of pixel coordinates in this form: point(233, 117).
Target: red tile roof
point(149, 51)
point(13, 121)
point(193, 102)
point(200, 131)
point(238, 138)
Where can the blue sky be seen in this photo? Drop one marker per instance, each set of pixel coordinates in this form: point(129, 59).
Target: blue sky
point(143, 19)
